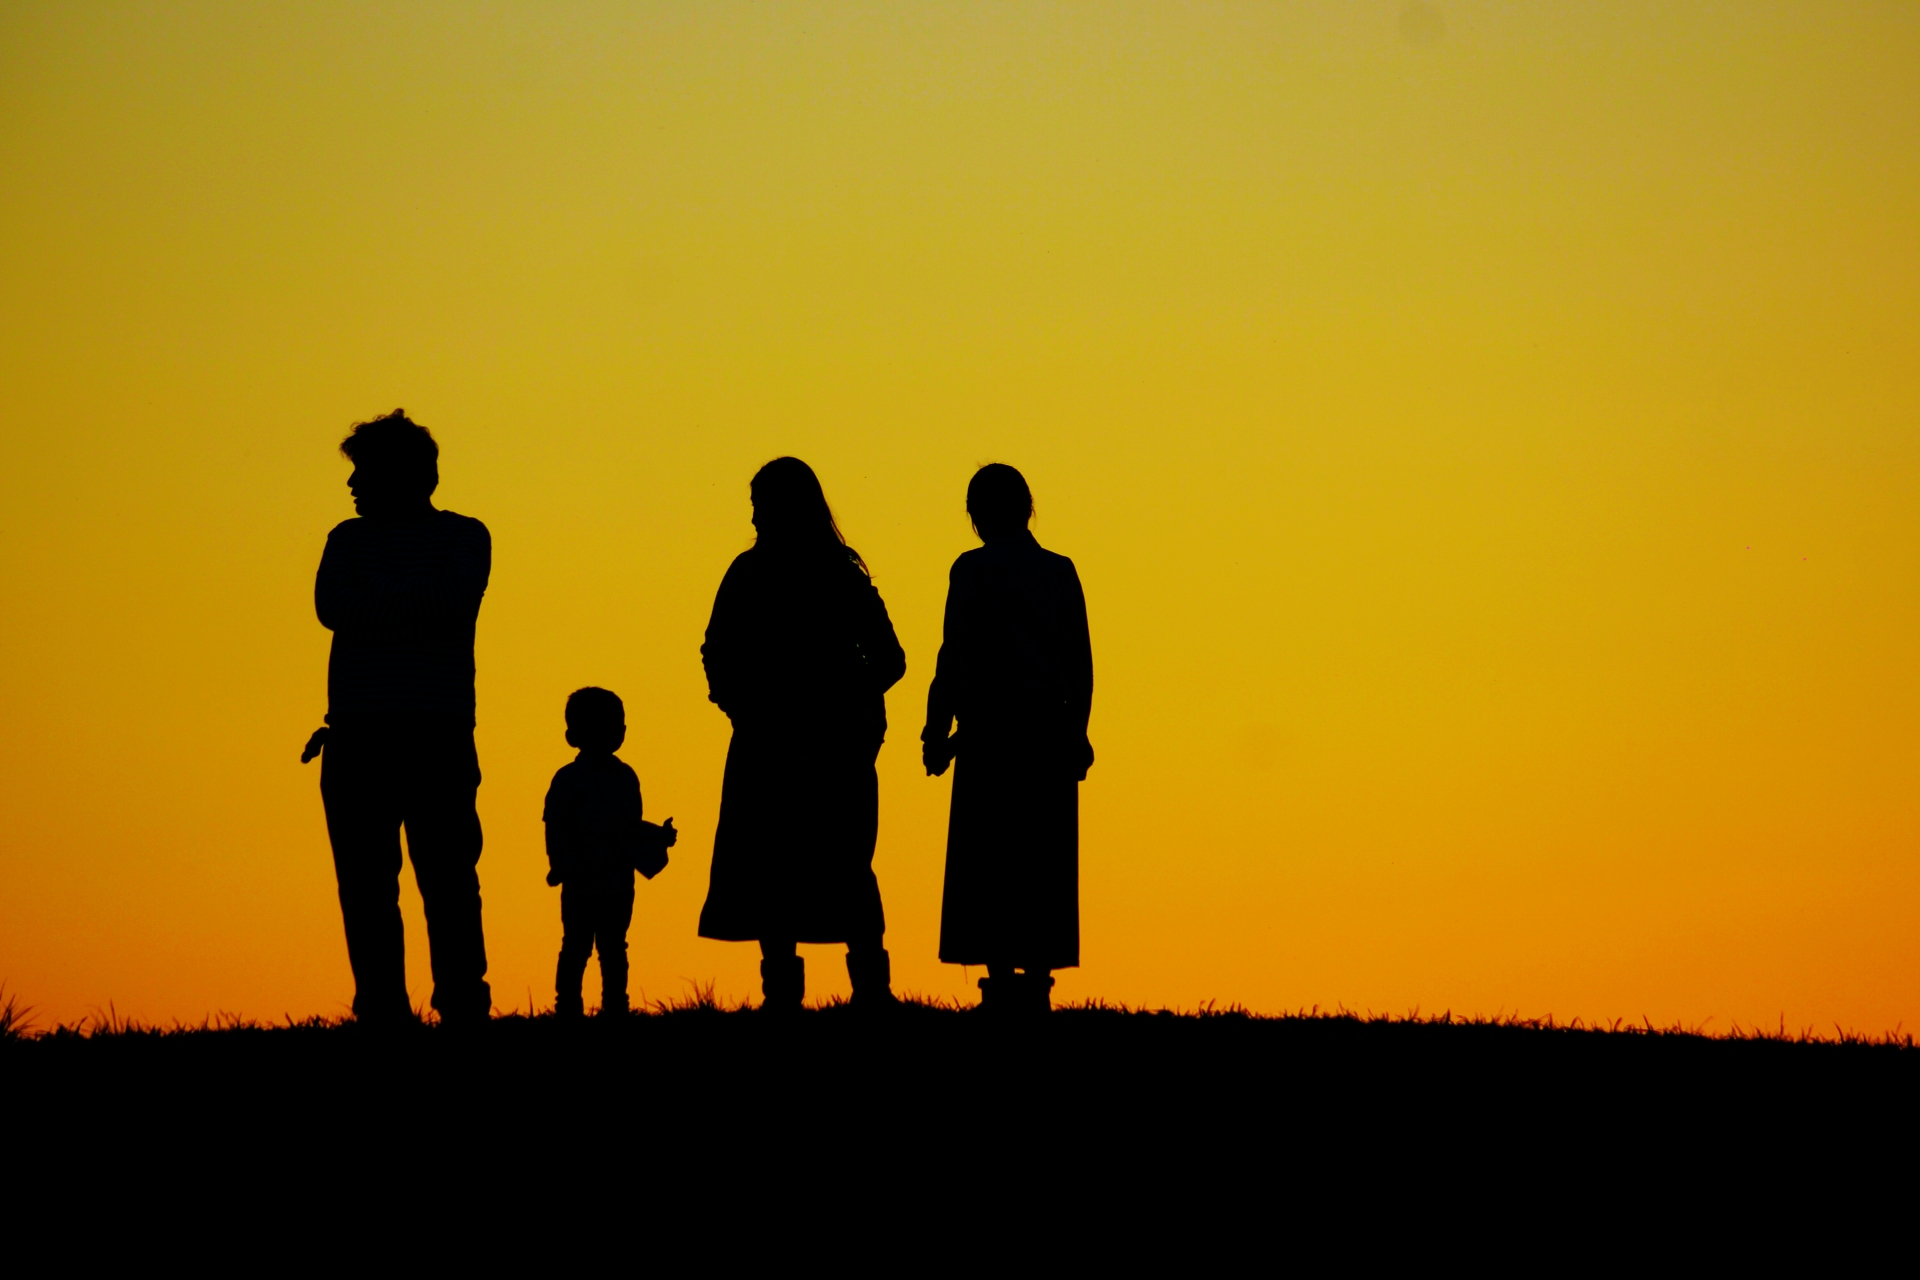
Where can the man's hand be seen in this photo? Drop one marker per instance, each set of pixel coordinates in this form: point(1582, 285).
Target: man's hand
point(670, 836)
point(937, 754)
point(314, 744)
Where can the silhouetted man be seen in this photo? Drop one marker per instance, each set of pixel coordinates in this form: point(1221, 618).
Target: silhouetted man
point(400, 589)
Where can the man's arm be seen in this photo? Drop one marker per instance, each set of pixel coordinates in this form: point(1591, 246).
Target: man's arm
point(353, 590)
point(339, 594)
point(449, 589)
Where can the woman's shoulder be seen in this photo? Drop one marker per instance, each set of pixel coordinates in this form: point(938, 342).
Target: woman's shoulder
point(744, 566)
point(1053, 572)
point(968, 563)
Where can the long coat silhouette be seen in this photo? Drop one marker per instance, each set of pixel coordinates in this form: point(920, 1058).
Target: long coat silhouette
point(1016, 670)
point(799, 654)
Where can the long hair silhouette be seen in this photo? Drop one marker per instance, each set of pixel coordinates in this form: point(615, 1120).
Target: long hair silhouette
point(790, 511)
point(800, 654)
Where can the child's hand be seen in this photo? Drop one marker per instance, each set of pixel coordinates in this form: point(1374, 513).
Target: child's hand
point(937, 754)
point(671, 837)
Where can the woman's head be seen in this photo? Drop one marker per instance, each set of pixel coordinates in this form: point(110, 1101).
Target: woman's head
point(998, 501)
point(790, 509)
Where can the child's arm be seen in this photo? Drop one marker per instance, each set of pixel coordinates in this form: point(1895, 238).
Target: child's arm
point(556, 852)
point(561, 814)
point(648, 834)
point(561, 838)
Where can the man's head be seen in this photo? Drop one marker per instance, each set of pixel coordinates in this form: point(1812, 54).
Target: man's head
point(596, 720)
point(396, 465)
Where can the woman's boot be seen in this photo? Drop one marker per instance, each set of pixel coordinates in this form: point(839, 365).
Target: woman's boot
point(783, 983)
point(872, 974)
point(1036, 992)
point(1000, 992)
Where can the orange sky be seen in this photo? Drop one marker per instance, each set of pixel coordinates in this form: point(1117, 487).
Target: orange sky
point(1487, 434)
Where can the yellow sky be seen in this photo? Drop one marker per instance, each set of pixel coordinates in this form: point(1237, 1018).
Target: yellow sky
point(1487, 434)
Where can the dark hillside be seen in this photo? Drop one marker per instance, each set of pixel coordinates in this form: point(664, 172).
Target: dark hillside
point(1232, 1109)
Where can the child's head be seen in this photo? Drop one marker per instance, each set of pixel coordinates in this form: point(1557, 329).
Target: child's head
point(596, 720)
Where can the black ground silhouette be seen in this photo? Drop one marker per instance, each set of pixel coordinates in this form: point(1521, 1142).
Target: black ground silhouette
point(1247, 1120)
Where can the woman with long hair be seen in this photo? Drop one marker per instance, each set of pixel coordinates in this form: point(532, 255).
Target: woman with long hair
point(799, 654)
point(1016, 672)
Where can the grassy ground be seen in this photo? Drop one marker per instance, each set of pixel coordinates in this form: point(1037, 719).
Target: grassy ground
point(1241, 1111)
point(1088, 1056)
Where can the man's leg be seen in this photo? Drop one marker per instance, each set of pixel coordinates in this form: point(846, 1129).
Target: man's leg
point(443, 839)
point(363, 824)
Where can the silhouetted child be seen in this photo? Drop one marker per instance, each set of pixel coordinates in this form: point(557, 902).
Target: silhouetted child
point(596, 840)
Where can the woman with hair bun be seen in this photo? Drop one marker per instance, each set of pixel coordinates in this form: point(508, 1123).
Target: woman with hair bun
point(799, 654)
point(1016, 671)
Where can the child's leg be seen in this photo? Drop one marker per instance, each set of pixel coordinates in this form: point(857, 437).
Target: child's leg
point(610, 935)
point(576, 945)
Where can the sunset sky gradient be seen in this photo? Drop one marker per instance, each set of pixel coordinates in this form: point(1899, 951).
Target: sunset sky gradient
point(1488, 433)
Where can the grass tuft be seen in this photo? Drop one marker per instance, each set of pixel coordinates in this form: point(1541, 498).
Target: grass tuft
point(16, 1019)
